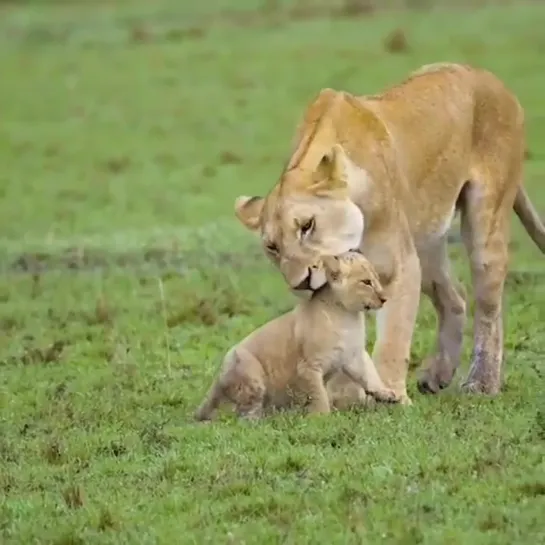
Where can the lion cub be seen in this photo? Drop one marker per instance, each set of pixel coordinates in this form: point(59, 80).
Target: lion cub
point(301, 349)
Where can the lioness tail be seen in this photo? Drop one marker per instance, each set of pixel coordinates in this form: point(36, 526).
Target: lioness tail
point(529, 217)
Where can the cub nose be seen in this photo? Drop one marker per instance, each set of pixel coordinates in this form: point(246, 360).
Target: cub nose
point(382, 299)
point(304, 284)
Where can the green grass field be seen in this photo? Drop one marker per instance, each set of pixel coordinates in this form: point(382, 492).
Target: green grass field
point(126, 131)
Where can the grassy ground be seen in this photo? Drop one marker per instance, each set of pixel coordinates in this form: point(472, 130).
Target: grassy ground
point(126, 133)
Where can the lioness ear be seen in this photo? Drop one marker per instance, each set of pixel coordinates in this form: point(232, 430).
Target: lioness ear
point(331, 170)
point(248, 211)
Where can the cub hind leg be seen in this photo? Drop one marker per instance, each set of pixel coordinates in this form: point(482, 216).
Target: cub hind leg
point(246, 385)
point(241, 383)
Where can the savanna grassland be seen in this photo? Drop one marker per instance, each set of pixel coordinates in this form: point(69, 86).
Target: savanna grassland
point(126, 131)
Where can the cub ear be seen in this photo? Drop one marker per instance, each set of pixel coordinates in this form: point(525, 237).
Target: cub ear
point(248, 211)
point(332, 170)
point(331, 263)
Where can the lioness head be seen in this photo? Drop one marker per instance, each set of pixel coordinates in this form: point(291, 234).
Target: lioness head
point(354, 281)
point(308, 214)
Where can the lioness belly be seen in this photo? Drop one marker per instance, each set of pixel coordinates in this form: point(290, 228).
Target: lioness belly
point(435, 229)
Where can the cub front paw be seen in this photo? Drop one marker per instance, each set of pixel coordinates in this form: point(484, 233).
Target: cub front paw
point(385, 395)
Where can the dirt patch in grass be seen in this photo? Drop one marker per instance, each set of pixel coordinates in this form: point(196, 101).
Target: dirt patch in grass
point(397, 41)
point(516, 279)
point(154, 258)
point(94, 258)
point(173, 26)
point(36, 355)
point(209, 310)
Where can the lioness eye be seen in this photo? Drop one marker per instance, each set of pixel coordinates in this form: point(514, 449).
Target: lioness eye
point(307, 227)
point(272, 248)
point(367, 282)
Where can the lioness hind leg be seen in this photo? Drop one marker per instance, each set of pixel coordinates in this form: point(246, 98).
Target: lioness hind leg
point(485, 232)
point(446, 296)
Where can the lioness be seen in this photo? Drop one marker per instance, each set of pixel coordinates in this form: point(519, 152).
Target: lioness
point(387, 173)
point(303, 347)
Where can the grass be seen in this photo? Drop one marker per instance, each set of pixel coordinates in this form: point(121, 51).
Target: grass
point(127, 131)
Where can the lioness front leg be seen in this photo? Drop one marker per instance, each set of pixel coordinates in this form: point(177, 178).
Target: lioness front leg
point(446, 295)
point(395, 326)
point(363, 372)
point(311, 383)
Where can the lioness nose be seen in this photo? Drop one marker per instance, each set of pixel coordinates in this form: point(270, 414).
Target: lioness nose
point(304, 284)
point(382, 299)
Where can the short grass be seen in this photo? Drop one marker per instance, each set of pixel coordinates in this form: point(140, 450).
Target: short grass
point(127, 130)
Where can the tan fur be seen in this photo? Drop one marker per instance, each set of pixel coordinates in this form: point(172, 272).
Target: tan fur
point(301, 349)
point(387, 173)
point(345, 394)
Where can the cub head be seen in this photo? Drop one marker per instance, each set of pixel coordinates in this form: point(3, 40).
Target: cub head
point(308, 214)
point(354, 281)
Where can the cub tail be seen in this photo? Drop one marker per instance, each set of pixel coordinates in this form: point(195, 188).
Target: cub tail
point(212, 401)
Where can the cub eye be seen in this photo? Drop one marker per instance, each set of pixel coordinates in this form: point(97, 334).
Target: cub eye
point(307, 227)
point(367, 282)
